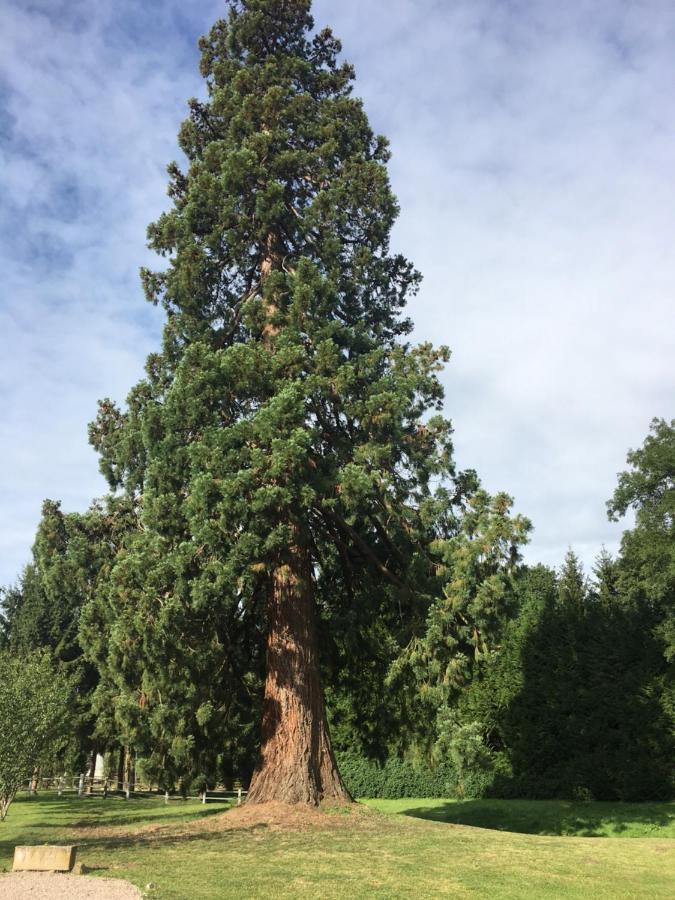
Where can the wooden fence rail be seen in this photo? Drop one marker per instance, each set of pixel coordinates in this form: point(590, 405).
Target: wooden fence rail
point(88, 786)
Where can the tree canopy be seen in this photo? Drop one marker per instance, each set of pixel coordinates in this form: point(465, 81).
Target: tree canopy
point(36, 721)
point(285, 431)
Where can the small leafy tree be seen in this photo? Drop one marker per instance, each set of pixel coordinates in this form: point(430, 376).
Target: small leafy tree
point(648, 549)
point(34, 719)
point(647, 561)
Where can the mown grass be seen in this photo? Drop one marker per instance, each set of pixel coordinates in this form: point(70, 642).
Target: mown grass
point(375, 853)
point(552, 817)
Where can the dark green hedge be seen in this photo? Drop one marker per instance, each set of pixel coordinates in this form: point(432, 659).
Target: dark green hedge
point(397, 778)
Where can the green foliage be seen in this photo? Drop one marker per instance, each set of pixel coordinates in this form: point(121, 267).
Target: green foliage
point(395, 778)
point(44, 609)
point(469, 773)
point(47, 601)
point(283, 409)
point(571, 704)
point(648, 487)
point(35, 716)
point(573, 588)
point(469, 755)
point(647, 571)
point(479, 565)
point(10, 600)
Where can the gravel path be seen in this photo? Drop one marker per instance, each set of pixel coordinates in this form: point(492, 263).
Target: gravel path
point(53, 886)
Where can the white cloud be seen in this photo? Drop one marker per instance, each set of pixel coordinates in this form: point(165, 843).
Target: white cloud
point(533, 162)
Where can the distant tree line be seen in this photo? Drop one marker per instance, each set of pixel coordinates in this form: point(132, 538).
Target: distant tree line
point(511, 680)
point(574, 696)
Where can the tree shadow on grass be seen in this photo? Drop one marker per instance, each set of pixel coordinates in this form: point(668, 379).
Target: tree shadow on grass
point(103, 822)
point(553, 818)
point(156, 839)
point(50, 830)
point(141, 821)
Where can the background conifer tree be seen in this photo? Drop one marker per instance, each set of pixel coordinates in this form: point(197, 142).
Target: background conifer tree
point(43, 610)
point(478, 565)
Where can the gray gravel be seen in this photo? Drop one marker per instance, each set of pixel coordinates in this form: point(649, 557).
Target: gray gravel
point(54, 886)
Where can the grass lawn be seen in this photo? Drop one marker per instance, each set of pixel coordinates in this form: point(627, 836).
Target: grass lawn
point(544, 816)
point(406, 848)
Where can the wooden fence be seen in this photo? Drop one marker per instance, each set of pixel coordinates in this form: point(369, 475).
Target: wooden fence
point(88, 786)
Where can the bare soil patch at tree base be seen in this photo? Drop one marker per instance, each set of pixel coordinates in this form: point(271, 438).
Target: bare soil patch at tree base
point(55, 886)
point(289, 817)
point(263, 816)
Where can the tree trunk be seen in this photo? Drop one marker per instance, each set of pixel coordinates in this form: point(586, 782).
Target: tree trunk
point(120, 770)
point(296, 764)
point(91, 769)
point(130, 770)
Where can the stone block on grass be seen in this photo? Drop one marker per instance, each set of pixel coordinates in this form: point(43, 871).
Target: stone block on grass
point(46, 858)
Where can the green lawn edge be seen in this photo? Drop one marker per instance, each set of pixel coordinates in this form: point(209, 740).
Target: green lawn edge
point(404, 848)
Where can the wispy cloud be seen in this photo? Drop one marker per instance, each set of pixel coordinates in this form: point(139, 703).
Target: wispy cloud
point(533, 160)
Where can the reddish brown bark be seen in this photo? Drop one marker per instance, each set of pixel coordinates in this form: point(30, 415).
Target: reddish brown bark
point(296, 764)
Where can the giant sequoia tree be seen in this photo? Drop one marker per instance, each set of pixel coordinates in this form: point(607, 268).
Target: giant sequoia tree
point(281, 447)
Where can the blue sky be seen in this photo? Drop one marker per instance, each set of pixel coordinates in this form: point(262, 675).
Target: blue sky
point(534, 159)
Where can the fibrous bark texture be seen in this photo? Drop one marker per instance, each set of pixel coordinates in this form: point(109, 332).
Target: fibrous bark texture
point(296, 764)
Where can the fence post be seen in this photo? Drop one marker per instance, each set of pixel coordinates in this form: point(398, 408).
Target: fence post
point(60, 791)
point(204, 796)
point(80, 787)
point(34, 783)
point(166, 798)
point(238, 796)
point(127, 793)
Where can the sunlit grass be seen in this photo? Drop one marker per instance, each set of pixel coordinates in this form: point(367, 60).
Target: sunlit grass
point(374, 854)
point(552, 817)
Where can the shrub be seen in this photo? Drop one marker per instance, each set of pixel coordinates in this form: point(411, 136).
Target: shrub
point(398, 778)
point(471, 759)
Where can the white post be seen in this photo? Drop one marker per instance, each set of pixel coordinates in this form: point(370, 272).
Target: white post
point(238, 796)
point(60, 792)
point(80, 788)
point(166, 797)
point(128, 790)
point(204, 797)
point(33, 784)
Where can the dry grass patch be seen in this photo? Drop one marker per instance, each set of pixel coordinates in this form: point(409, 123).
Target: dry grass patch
point(263, 816)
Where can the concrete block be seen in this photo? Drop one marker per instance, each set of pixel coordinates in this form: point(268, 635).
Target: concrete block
point(46, 858)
